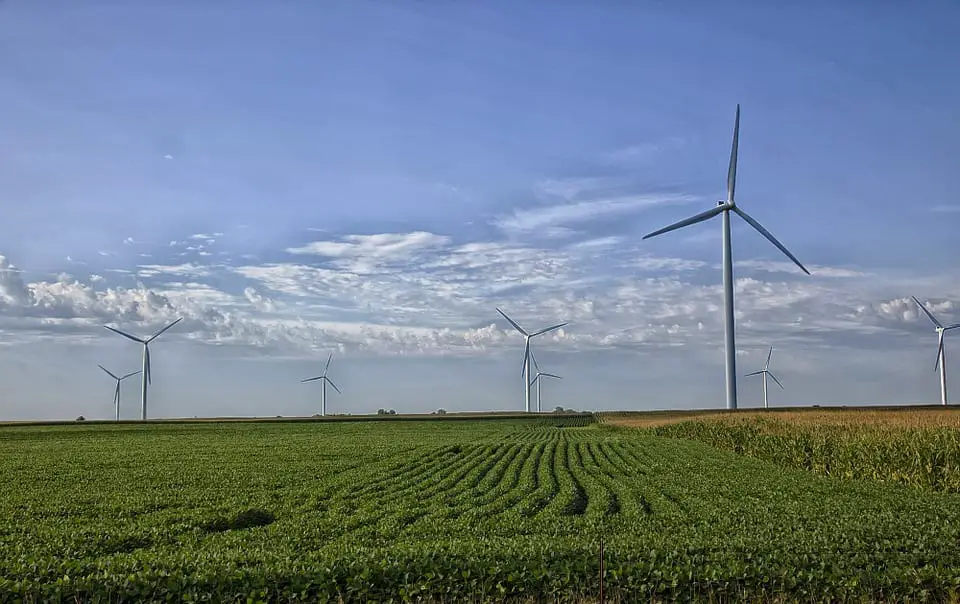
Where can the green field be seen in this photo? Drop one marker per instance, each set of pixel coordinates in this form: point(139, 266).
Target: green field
point(482, 509)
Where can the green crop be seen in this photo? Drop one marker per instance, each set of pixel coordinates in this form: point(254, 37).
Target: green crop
point(478, 510)
point(927, 456)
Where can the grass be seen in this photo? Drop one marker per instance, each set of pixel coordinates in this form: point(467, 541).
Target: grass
point(481, 509)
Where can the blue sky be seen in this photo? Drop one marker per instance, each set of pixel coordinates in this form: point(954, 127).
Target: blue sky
point(375, 178)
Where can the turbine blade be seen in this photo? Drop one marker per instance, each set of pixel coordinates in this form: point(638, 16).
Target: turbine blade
point(543, 331)
point(754, 373)
point(732, 170)
point(327, 366)
point(512, 322)
point(954, 326)
point(116, 393)
point(146, 353)
point(157, 335)
point(533, 358)
point(551, 375)
point(692, 220)
point(129, 375)
point(769, 354)
point(927, 312)
point(939, 352)
point(535, 379)
point(526, 355)
point(124, 334)
point(108, 371)
point(770, 237)
point(313, 379)
point(329, 381)
point(776, 380)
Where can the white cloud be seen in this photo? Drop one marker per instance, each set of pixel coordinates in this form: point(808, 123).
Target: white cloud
point(129, 241)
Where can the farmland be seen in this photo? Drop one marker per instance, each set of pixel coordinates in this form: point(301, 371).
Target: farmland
point(488, 509)
point(918, 447)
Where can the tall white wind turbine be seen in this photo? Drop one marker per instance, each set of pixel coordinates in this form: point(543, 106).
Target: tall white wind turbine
point(116, 392)
point(765, 372)
point(526, 353)
point(941, 355)
point(323, 386)
point(537, 379)
point(724, 208)
point(145, 372)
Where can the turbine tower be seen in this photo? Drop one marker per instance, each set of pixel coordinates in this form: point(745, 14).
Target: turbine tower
point(765, 372)
point(145, 372)
point(725, 207)
point(526, 353)
point(116, 393)
point(537, 379)
point(941, 355)
point(323, 387)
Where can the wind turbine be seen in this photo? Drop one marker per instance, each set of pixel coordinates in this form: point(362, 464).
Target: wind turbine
point(145, 372)
point(725, 207)
point(116, 393)
point(941, 355)
point(526, 353)
point(765, 372)
point(537, 378)
point(323, 388)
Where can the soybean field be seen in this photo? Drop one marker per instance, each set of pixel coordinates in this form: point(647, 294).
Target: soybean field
point(480, 510)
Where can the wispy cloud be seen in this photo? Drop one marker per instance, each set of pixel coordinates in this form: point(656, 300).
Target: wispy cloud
point(769, 266)
point(642, 152)
point(946, 209)
point(538, 218)
point(364, 252)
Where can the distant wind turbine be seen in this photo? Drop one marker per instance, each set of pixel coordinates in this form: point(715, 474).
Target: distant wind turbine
point(526, 353)
point(537, 379)
point(145, 372)
point(725, 207)
point(941, 354)
point(323, 387)
point(116, 393)
point(765, 372)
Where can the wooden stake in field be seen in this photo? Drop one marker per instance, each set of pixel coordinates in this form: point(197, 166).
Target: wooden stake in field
point(601, 570)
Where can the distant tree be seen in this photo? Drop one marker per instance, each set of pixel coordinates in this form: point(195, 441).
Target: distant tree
point(81, 419)
point(441, 412)
point(392, 412)
point(558, 409)
point(381, 411)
